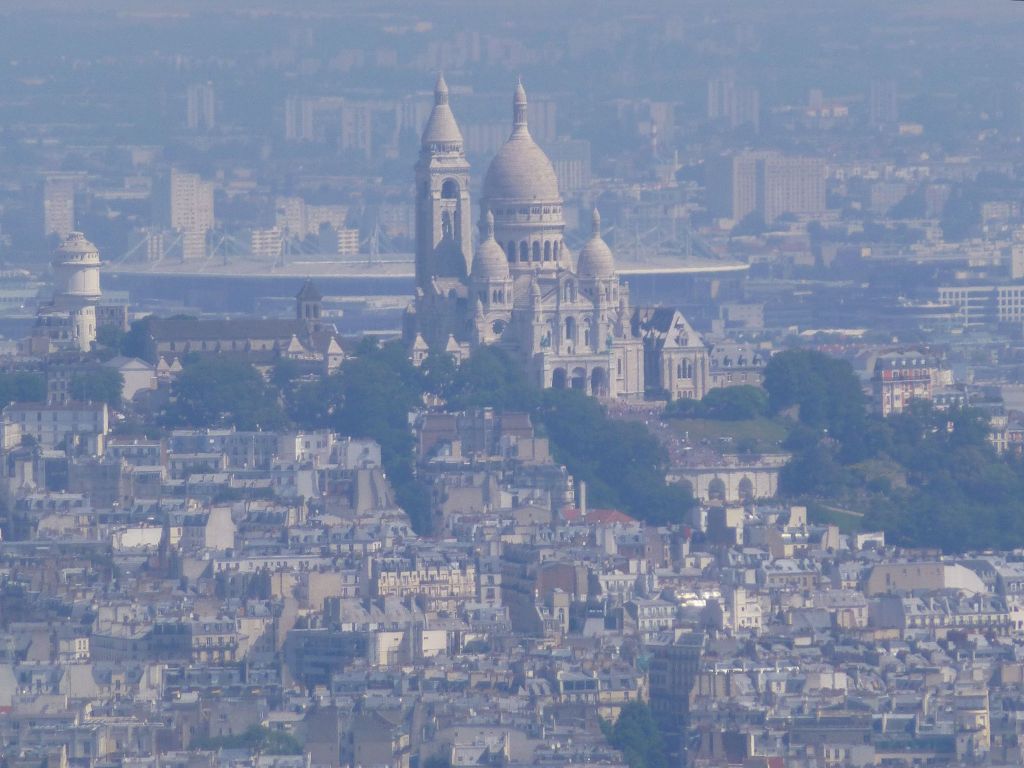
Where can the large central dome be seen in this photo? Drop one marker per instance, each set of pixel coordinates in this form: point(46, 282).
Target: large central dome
point(521, 172)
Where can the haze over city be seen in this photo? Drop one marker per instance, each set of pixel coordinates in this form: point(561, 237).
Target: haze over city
point(446, 384)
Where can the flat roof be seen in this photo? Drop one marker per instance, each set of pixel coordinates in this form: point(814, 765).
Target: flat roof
point(385, 268)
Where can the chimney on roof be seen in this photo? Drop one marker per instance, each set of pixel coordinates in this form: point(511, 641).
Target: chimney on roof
point(583, 499)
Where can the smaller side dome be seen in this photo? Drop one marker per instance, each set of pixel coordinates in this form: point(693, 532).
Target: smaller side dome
point(489, 262)
point(596, 259)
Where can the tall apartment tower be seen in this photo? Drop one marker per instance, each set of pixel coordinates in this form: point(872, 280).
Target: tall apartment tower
point(191, 212)
point(767, 182)
point(58, 207)
point(883, 102)
point(734, 103)
point(201, 107)
point(444, 245)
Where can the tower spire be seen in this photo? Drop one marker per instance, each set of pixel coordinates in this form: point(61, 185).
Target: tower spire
point(519, 110)
point(596, 219)
point(440, 90)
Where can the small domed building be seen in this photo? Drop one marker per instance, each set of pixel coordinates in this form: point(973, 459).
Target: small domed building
point(69, 322)
point(565, 318)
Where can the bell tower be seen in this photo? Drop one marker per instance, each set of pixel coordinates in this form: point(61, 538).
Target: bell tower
point(444, 246)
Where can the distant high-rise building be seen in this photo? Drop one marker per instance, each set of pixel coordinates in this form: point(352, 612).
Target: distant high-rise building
point(543, 120)
point(883, 103)
point(312, 118)
point(298, 119)
point(348, 241)
point(201, 107)
point(731, 182)
point(485, 138)
point(397, 219)
point(734, 103)
point(369, 127)
point(571, 158)
point(291, 216)
point(790, 185)
point(155, 244)
point(191, 212)
point(58, 207)
point(332, 215)
point(767, 182)
point(298, 219)
point(265, 244)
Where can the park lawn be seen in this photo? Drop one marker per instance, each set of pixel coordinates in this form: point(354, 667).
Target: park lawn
point(728, 436)
point(848, 521)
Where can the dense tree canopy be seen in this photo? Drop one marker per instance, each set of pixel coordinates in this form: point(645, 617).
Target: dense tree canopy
point(219, 392)
point(621, 462)
point(737, 403)
point(98, 384)
point(927, 477)
point(637, 736)
point(371, 396)
point(256, 738)
point(22, 387)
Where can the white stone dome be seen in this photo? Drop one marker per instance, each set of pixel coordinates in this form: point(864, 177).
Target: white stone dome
point(521, 171)
point(596, 258)
point(489, 262)
point(78, 249)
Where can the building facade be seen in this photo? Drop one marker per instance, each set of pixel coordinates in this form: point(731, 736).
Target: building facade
point(564, 317)
point(900, 378)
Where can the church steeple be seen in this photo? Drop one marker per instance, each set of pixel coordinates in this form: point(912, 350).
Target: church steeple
point(444, 235)
point(440, 90)
point(519, 107)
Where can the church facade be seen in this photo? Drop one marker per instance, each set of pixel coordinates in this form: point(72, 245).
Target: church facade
point(564, 317)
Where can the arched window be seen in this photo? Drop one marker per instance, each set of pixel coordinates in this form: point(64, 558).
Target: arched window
point(570, 329)
point(450, 190)
point(536, 251)
point(547, 250)
point(524, 251)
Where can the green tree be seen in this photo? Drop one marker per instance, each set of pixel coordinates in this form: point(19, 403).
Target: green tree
point(219, 392)
point(623, 464)
point(637, 736)
point(737, 403)
point(491, 377)
point(371, 396)
point(22, 387)
point(439, 372)
point(825, 390)
point(110, 336)
point(256, 738)
point(136, 342)
point(751, 224)
point(97, 384)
